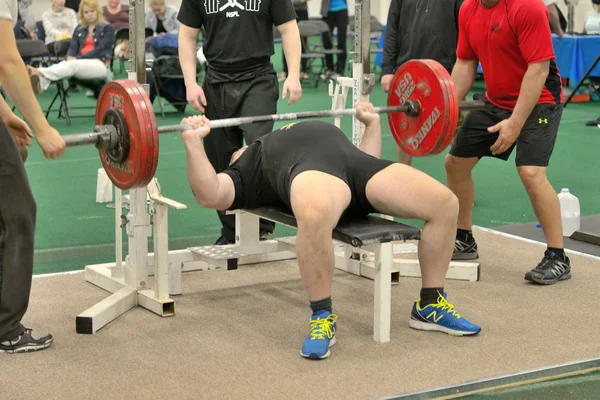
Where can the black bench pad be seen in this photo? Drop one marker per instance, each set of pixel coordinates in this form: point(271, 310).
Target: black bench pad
point(357, 232)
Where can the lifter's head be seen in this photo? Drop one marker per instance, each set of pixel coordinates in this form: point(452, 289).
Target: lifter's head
point(237, 154)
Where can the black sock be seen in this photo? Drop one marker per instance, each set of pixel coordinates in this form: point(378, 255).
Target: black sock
point(553, 251)
point(430, 296)
point(324, 304)
point(464, 235)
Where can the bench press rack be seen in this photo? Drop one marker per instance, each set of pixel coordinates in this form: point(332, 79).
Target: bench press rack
point(363, 247)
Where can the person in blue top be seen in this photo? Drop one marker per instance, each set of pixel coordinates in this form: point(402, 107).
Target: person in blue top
point(335, 13)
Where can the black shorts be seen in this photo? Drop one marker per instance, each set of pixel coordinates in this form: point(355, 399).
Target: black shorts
point(534, 145)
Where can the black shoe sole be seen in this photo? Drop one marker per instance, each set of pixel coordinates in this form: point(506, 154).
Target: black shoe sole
point(547, 282)
point(465, 256)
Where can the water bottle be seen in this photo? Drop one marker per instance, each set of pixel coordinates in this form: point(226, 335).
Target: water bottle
point(569, 212)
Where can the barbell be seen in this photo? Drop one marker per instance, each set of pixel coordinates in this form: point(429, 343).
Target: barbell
point(423, 112)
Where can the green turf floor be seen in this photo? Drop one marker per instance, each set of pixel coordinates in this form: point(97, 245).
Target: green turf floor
point(579, 387)
point(73, 230)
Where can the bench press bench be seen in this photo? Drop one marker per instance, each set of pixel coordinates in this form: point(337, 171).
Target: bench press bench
point(369, 233)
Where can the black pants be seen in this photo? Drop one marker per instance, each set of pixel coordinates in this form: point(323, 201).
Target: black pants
point(238, 99)
point(337, 19)
point(17, 228)
point(302, 16)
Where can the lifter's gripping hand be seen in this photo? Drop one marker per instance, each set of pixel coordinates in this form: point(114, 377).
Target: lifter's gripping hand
point(365, 114)
point(201, 126)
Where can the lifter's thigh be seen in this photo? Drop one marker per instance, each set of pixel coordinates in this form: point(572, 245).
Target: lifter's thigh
point(405, 192)
point(319, 198)
point(260, 98)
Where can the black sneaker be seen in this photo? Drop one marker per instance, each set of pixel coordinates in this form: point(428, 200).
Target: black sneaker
point(550, 270)
point(465, 250)
point(222, 240)
point(26, 343)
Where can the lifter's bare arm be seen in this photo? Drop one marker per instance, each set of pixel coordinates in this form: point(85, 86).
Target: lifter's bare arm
point(210, 189)
point(463, 76)
point(371, 140)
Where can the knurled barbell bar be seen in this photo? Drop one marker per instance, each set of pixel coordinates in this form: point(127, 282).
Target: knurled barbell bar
point(423, 112)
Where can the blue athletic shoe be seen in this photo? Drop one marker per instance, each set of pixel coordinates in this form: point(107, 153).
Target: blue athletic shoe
point(321, 336)
point(441, 317)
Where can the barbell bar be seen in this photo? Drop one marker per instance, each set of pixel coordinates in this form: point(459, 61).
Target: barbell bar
point(422, 110)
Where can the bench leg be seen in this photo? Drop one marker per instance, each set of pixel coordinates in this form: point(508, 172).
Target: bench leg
point(383, 292)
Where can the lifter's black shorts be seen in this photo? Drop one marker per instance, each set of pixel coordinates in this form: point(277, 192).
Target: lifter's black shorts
point(534, 145)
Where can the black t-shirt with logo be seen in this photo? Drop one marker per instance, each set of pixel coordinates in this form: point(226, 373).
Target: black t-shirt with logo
point(238, 42)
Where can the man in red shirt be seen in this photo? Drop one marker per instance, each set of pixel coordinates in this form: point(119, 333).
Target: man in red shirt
point(523, 108)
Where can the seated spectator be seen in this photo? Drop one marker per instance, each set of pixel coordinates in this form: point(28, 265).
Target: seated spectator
point(592, 19)
point(89, 53)
point(27, 18)
point(117, 15)
point(162, 18)
point(59, 22)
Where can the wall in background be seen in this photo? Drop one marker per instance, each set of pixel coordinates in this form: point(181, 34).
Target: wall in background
point(379, 8)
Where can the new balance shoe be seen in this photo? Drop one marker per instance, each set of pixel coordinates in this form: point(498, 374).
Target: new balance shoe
point(550, 270)
point(441, 317)
point(465, 250)
point(25, 343)
point(321, 337)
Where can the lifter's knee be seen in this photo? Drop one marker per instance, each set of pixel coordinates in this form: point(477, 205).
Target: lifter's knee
point(318, 215)
point(447, 206)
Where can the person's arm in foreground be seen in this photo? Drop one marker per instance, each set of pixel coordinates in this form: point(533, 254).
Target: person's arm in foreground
point(211, 190)
point(15, 82)
point(371, 140)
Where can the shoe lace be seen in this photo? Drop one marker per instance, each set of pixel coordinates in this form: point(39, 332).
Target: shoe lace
point(321, 327)
point(448, 307)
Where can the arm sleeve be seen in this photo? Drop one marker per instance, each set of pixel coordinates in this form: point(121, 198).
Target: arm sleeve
point(73, 45)
point(282, 11)
point(104, 45)
point(74, 22)
point(190, 14)
point(533, 32)
point(463, 47)
point(236, 177)
point(391, 39)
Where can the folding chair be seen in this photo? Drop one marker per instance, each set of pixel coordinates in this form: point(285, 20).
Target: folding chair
point(172, 77)
point(309, 30)
point(60, 49)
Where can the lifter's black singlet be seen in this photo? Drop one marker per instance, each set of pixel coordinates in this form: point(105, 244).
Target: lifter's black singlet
point(263, 174)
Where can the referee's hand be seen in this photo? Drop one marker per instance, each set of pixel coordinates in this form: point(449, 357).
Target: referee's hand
point(509, 131)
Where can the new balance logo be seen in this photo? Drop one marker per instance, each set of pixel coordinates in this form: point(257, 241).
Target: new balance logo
point(435, 317)
point(542, 120)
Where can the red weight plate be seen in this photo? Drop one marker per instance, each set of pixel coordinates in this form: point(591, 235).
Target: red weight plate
point(138, 168)
point(437, 68)
point(418, 80)
point(151, 132)
point(453, 112)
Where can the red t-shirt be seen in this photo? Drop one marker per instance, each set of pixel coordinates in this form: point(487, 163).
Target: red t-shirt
point(88, 45)
point(506, 39)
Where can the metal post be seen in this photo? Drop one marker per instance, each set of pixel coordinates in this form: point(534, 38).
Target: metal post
point(137, 40)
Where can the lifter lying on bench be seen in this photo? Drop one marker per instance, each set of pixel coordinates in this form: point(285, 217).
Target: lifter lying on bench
point(315, 171)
